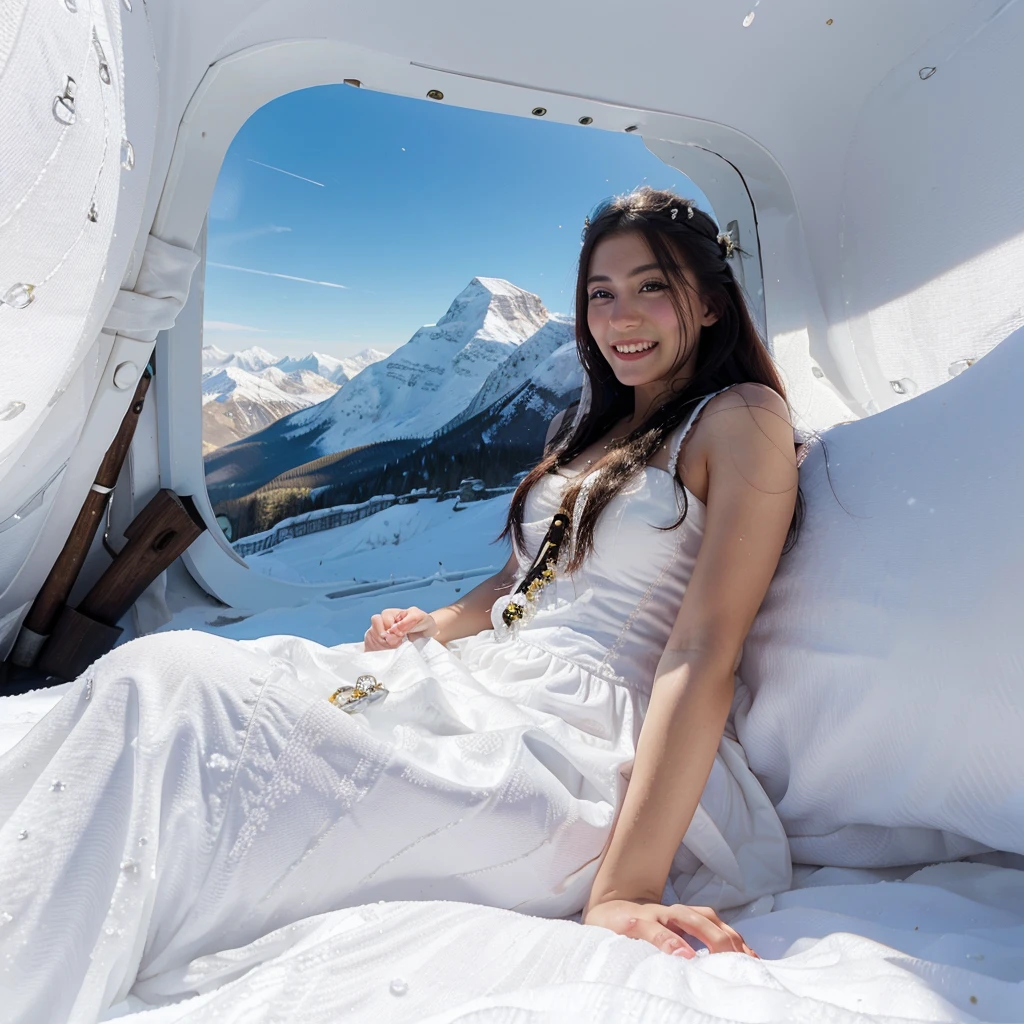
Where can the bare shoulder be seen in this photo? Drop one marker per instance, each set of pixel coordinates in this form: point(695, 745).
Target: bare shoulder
point(746, 410)
point(753, 397)
point(745, 431)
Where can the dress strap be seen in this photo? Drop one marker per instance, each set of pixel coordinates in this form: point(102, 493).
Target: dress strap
point(676, 439)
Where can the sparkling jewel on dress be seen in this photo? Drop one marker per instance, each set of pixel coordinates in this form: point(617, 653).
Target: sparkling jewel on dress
point(367, 691)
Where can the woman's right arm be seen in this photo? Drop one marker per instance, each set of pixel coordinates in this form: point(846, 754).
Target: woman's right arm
point(466, 617)
point(472, 614)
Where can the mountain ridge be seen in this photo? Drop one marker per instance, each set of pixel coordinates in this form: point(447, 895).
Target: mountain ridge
point(483, 381)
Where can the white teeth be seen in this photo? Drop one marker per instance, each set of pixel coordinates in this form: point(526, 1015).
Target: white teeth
point(641, 347)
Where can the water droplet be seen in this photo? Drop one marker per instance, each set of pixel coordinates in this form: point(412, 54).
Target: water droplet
point(955, 369)
point(71, 5)
point(23, 834)
point(143, 840)
point(19, 295)
point(925, 73)
point(11, 410)
point(903, 386)
point(398, 986)
point(55, 397)
point(129, 866)
point(104, 74)
point(57, 786)
point(219, 761)
point(817, 371)
point(127, 155)
point(748, 20)
point(5, 918)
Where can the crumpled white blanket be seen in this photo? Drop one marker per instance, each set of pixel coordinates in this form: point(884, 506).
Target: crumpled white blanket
point(945, 944)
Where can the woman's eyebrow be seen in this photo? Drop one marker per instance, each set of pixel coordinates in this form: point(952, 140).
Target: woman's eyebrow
point(633, 273)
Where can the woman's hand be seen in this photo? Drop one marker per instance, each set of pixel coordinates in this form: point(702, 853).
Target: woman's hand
point(664, 926)
point(393, 625)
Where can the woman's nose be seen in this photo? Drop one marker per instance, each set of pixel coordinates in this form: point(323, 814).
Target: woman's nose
point(624, 314)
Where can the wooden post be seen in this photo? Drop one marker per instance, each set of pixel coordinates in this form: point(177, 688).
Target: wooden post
point(53, 594)
point(156, 537)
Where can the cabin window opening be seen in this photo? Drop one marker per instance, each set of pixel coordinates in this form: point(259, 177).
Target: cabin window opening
point(387, 329)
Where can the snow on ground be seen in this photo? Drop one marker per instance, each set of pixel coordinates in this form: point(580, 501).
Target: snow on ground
point(328, 621)
point(408, 549)
point(404, 540)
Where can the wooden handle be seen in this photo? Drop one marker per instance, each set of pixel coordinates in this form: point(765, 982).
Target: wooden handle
point(156, 537)
point(53, 594)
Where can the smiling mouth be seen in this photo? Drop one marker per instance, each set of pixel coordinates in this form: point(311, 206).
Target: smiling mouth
point(633, 349)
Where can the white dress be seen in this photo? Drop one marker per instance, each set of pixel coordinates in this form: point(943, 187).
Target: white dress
point(190, 793)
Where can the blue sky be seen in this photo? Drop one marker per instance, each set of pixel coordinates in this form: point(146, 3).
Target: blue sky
point(401, 203)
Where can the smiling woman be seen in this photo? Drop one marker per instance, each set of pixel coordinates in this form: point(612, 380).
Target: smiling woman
point(316, 415)
point(659, 280)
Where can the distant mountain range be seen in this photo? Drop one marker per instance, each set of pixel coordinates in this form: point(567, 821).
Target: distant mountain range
point(468, 396)
point(243, 392)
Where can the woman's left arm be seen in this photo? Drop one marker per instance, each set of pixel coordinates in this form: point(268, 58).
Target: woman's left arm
point(747, 441)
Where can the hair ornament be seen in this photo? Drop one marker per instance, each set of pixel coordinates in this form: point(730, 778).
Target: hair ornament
point(674, 211)
point(586, 223)
point(727, 245)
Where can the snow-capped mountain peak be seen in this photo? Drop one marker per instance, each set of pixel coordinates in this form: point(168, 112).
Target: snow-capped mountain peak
point(523, 361)
point(399, 396)
point(258, 360)
point(252, 359)
point(237, 402)
point(353, 365)
point(499, 310)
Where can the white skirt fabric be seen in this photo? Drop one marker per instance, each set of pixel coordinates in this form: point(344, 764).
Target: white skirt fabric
point(191, 794)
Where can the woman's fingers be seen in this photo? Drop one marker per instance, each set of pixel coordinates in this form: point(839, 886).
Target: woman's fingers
point(414, 621)
point(653, 931)
point(667, 927)
point(737, 940)
point(404, 620)
point(704, 924)
point(390, 626)
point(377, 637)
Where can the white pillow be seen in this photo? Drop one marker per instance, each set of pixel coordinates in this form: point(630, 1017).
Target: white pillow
point(886, 667)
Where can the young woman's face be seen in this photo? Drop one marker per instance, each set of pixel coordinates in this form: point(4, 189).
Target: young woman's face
point(632, 317)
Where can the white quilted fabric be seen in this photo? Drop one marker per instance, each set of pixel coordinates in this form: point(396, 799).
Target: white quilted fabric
point(887, 663)
point(50, 180)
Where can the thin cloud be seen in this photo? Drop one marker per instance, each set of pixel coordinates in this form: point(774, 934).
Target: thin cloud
point(227, 238)
point(268, 273)
point(227, 325)
point(281, 170)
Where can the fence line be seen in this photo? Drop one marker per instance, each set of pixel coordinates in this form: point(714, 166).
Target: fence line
point(339, 515)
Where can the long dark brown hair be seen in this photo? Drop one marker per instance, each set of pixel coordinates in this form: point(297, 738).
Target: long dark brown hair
point(730, 351)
